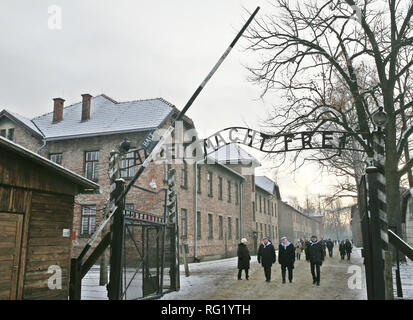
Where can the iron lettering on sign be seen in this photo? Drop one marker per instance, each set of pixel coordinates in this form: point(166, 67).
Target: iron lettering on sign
point(148, 142)
point(306, 140)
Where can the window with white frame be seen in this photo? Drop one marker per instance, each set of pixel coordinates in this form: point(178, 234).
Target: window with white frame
point(88, 220)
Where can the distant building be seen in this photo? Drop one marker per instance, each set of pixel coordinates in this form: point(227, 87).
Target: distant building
point(295, 225)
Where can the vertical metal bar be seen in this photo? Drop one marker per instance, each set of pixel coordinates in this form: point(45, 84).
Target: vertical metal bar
point(163, 243)
point(383, 240)
point(117, 229)
point(398, 280)
point(377, 262)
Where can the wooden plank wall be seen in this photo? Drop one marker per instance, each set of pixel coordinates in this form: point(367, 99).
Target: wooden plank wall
point(19, 172)
point(50, 214)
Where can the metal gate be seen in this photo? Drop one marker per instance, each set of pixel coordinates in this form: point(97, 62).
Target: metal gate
point(148, 260)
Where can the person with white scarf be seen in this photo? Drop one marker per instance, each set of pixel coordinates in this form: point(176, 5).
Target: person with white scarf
point(286, 258)
point(266, 256)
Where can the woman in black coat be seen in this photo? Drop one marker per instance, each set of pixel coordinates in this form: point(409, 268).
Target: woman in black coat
point(286, 258)
point(243, 258)
point(348, 248)
point(342, 250)
point(266, 256)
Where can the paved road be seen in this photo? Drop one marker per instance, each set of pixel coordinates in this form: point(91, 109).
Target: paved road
point(334, 283)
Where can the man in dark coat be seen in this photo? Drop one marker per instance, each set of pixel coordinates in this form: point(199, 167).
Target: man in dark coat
point(330, 246)
point(348, 248)
point(315, 254)
point(266, 256)
point(286, 258)
point(243, 258)
point(342, 250)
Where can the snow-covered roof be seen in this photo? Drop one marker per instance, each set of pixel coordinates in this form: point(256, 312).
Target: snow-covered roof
point(107, 116)
point(23, 120)
point(268, 185)
point(233, 154)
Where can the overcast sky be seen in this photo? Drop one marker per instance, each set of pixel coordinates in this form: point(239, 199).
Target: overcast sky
point(136, 49)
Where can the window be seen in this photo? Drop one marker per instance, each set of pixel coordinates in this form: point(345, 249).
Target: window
point(92, 165)
point(184, 223)
point(236, 193)
point(229, 190)
point(209, 176)
point(268, 206)
point(221, 227)
point(210, 227)
point(56, 158)
point(275, 209)
point(253, 183)
point(236, 228)
point(265, 206)
point(184, 174)
point(256, 202)
point(220, 188)
point(229, 228)
point(10, 134)
point(198, 225)
point(253, 211)
point(88, 221)
point(127, 165)
point(260, 204)
point(199, 179)
point(3, 133)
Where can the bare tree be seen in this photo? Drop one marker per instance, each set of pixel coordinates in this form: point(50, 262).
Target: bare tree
point(309, 46)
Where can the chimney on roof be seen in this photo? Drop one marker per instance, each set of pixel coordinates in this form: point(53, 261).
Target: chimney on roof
point(58, 109)
point(86, 106)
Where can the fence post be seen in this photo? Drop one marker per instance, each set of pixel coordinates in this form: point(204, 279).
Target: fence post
point(379, 162)
point(75, 286)
point(117, 228)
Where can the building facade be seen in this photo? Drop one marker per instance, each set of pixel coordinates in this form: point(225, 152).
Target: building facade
point(296, 225)
point(220, 200)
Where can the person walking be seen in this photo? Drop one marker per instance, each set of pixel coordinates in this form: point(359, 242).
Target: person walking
point(342, 250)
point(348, 247)
point(298, 249)
point(315, 255)
point(266, 256)
point(330, 246)
point(243, 258)
point(286, 258)
point(305, 246)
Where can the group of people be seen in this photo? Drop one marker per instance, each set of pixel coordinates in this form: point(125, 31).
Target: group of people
point(314, 249)
point(345, 247)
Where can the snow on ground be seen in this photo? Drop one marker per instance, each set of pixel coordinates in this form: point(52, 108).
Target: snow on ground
point(205, 277)
point(406, 276)
point(218, 279)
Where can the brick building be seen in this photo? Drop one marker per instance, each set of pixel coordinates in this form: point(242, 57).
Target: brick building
point(296, 225)
point(219, 201)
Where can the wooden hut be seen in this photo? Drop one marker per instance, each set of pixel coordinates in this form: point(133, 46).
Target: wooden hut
point(36, 214)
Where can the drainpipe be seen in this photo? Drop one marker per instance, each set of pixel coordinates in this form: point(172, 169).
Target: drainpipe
point(42, 146)
point(240, 211)
point(196, 209)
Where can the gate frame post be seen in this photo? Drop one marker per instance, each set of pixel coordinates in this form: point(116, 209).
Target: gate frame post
point(376, 261)
point(117, 229)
